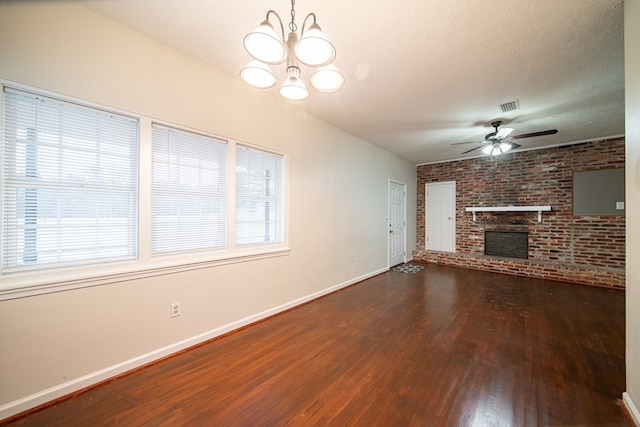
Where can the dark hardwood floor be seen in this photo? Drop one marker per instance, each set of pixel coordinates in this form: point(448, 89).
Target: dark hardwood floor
point(443, 347)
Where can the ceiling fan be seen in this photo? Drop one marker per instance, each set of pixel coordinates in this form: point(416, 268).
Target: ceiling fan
point(500, 141)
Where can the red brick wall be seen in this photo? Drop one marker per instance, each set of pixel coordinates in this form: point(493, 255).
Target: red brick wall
point(579, 249)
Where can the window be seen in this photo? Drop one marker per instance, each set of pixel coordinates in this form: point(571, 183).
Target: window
point(82, 206)
point(259, 205)
point(188, 197)
point(69, 176)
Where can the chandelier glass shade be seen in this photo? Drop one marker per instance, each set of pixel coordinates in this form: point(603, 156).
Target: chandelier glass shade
point(294, 88)
point(258, 74)
point(327, 79)
point(312, 49)
point(264, 44)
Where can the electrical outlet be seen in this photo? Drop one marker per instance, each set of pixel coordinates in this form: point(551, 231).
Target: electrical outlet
point(175, 309)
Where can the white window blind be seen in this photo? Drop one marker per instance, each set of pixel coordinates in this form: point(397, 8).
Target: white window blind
point(189, 196)
point(259, 204)
point(69, 184)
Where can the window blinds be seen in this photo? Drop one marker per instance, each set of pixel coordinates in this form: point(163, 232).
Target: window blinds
point(69, 183)
point(189, 196)
point(259, 204)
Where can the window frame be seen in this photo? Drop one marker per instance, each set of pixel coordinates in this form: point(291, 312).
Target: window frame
point(76, 168)
point(22, 284)
point(221, 196)
point(280, 199)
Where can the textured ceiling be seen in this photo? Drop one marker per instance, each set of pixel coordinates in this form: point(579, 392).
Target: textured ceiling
point(421, 75)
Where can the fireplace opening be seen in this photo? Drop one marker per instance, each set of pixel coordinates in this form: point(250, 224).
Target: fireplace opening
point(511, 244)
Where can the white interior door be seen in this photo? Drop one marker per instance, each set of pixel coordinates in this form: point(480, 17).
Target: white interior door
point(397, 223)
point(441, 216)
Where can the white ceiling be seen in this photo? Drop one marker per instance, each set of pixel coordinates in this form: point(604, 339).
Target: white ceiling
point(423, 74)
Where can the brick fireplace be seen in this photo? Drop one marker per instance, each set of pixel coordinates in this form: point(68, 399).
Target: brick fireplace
point(561, 246)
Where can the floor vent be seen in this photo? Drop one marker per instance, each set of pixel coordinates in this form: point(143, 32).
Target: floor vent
point(510, 106)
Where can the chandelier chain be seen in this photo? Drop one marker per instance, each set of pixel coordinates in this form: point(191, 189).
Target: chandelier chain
point(292, 25)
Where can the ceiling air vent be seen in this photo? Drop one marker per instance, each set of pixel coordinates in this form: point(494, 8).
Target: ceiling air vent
point(510, 106)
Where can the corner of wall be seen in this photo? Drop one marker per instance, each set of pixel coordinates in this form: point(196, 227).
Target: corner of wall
point(631, 408)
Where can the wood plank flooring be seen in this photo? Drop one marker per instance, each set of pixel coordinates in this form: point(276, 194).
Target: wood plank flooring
point(443, 347)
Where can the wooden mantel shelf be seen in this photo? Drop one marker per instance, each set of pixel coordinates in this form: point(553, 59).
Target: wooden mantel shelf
point(538, 209)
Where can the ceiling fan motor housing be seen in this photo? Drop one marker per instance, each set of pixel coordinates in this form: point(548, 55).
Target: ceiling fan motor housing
point(492, 136)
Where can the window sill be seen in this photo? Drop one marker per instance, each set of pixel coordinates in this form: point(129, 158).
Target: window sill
point(45, 282)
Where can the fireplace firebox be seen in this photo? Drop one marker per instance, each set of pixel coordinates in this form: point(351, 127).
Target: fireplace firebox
point(511, 244)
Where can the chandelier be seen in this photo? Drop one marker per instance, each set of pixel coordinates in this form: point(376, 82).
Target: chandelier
point(312, 49)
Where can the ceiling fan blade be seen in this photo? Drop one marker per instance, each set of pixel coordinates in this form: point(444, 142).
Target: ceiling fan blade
point(503, 133)
point(532, 134)
point(514, 145)
point(473, 149)
point(468, 142)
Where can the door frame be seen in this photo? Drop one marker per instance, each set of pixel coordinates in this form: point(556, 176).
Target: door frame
point(404, 219)
point(453, 210)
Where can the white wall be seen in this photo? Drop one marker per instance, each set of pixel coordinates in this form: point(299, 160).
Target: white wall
point(54, 343)
point(632, 117)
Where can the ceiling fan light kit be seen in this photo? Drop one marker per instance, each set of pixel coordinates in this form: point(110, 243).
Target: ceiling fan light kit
point(313, 49)
point(497, 148)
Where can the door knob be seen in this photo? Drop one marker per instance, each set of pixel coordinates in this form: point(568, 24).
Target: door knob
point(449, 218)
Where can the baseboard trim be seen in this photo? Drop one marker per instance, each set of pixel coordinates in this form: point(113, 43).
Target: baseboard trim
point(65, 389)
point(631, 408)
